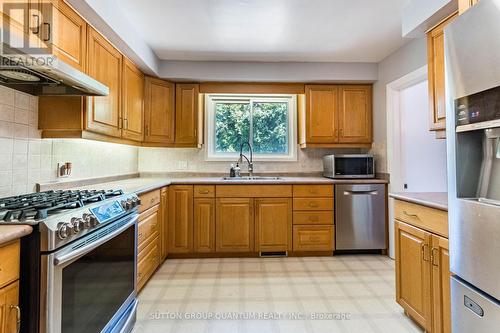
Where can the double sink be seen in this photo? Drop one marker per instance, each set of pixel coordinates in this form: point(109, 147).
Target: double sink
point(257, 178)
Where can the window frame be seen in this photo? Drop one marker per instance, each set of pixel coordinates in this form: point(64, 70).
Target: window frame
point(211, 99)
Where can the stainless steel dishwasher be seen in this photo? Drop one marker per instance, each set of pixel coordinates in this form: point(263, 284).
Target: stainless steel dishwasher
point(360, 217)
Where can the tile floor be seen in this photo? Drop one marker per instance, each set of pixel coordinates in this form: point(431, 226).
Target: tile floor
point(278, 295)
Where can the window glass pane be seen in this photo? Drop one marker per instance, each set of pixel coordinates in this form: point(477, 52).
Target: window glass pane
point(270, 127)
point(232, 126)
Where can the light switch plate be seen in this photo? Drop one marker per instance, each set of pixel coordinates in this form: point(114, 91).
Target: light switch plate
point(182, 165)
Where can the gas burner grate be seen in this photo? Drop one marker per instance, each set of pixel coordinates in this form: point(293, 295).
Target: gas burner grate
point(37, 206)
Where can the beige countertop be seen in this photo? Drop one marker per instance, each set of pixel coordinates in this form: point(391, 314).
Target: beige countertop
point(12, 232)
point(145, 184)
point(438, 200)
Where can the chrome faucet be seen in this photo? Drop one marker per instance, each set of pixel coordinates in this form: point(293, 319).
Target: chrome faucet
point(249, 161)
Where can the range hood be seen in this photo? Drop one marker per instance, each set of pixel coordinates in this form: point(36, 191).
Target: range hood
point(47, 76)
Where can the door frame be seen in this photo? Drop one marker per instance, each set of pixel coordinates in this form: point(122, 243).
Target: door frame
point(394, 147)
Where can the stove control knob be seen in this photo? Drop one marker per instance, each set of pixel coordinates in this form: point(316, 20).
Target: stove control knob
point(130, 204)
point(89, 220)
point(77, 224)
point(137, 201)
point(63, 230)
point(124, 204)
point(93, 220)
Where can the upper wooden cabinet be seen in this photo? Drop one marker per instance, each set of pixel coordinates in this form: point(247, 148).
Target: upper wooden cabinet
point(336, 116)
point(133, 102)
point(64, 31)
point(463, 5)
point(159, 113)
point(186, 114)
point(105, 65)
point(436, 74)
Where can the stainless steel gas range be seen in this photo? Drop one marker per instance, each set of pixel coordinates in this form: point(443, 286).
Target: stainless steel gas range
point(78, 267)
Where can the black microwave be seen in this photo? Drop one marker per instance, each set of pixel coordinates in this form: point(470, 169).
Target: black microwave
point(349, 166)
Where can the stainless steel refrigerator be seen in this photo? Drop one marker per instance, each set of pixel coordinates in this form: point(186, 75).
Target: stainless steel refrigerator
point(472, 62)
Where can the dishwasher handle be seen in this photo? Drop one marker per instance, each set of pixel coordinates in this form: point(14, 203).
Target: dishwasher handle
point(373, 192)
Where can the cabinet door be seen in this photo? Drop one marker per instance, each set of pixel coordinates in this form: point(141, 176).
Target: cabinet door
point(164, 223)
point(413, 275)
point(273, 224)
point(65, 32)
point(321, 114)
point(435, 58)
point(355, 114)
point(9, 308)
point(186, 114)
point(104, 65)
point(441, 285)
point(159, 111)
point(181, 219)
point(133, 102)
point(204, 225)
point(234, 225)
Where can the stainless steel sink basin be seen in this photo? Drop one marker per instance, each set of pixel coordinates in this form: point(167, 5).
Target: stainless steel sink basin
point(251, 178)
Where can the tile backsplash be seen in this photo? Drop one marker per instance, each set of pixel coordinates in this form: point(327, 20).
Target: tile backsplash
point(26, 159)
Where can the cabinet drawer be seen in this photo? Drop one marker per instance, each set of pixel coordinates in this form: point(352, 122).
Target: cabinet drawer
point(313, 191)
point(149, 199)
point(312, 204)
point(313, 217)
point(204, 191)
point(148, 228)
point(313, 238)
point(430, 219)
point(9, 263)
point(147, 262)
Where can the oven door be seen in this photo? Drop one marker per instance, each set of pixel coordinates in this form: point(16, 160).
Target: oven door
point(89, 285)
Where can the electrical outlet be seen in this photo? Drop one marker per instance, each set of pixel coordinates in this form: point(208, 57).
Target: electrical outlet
point(182, 165)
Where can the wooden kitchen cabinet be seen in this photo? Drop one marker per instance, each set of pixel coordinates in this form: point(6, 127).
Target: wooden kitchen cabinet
point(180, 219)
point(104, 114)
point(441, 294)
point(273, 224)
point(313, 238)
point(436, 77)
point(64, 31)
point(9, 308)
point(186, 114)
point(336, 116)
point(164, 222)
point(355, 114)
point(464, 5)
point(159, 106)
point(204, 225)
point(133, 102)
point(413, 272)
point(234, 225)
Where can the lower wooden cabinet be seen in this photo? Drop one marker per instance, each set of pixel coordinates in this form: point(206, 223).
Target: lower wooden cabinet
point(234, 225)
point(273, 224)
point(180, 219)
point(204, 225)
point(148, 261)
point(423, 277)
point(10, 313)
point(313, 238)
point(148, 227)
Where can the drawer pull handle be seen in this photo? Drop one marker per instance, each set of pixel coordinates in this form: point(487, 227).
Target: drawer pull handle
point(152, 200)
point(314, 218)
point(313, 191)
point(314, 238)
point(313, 204)
point(140, 235)
point(140, 275)
point(204, 191)
point(18, 317)
point(410, 215)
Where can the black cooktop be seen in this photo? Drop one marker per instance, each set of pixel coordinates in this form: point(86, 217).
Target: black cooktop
point(37, 206)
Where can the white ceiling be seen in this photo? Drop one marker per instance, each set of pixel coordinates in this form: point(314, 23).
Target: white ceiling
point(268, 30)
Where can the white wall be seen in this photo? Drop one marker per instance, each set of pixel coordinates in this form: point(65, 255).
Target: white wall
point(421, 15)
point(424, 156)
point(406, 59)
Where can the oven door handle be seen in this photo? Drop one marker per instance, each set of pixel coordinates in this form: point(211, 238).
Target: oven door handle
point(60, 260)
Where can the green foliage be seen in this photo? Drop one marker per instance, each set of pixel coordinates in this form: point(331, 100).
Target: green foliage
point(269, 127)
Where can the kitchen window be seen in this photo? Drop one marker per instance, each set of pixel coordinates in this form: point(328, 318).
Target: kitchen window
point(267, 122)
